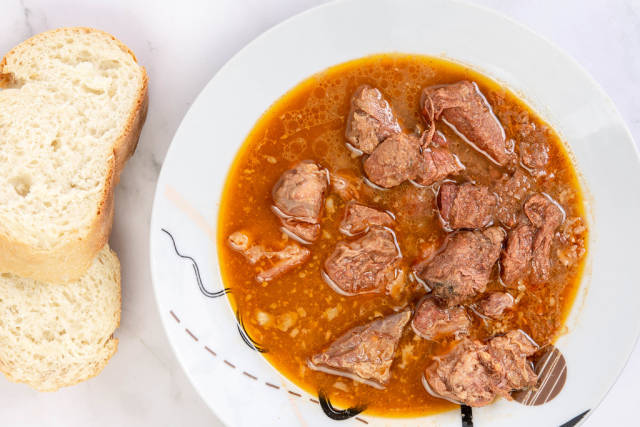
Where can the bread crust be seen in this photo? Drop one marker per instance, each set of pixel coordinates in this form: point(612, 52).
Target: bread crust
point(69, 261)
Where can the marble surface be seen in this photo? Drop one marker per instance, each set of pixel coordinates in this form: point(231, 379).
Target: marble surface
point(182, 44)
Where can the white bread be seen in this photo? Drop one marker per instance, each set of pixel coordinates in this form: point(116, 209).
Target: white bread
point(72, 105)
point(53, 336)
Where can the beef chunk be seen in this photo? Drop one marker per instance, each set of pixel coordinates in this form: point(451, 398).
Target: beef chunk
point(298, 198)
point(464, 267)
point(546, 215)
point(240, 242)
point(364, 353)
point(287, 259)
point(276, 263)
point(367, 264)
point(459, 376)
point(344, 187)
point(534, 155)
point(463, 107)
point(474, 373)
point(299, 192)
point(348, 186)
point(437, 164)
point(512, 190)
point(467, 205)
point(433, 139)
point(516, 259)
point(395, 160)
point(358, 218)
point(370, 121)
point(433, 322)
point(529, 244)
point(494, 304)
point(509, 362)
point(303, 230)
point(401, 157)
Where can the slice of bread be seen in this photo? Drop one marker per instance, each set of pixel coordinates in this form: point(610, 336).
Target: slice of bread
point(72, 105)
point(53, 336)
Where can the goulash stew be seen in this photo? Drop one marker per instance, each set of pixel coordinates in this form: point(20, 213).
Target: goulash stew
point(403, 233)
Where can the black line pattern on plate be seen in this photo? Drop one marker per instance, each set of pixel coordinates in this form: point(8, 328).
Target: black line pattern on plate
point(246, 337)
point(575, 420)
point(467, 415)
point(196, 271)
point(337, 414)
point(466, 412)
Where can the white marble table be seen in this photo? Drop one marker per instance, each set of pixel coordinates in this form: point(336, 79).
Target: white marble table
point(182, 44)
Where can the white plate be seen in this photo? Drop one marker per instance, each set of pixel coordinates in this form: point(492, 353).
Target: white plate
point(234, 380)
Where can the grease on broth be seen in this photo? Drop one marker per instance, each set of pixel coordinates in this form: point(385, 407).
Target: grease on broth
point(297, 315)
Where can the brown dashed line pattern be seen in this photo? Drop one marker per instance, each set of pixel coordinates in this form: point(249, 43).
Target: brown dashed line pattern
point(253, 377)
point(191, 334)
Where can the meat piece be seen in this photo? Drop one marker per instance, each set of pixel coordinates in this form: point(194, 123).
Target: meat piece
point(298, 198)
point(358, 218)
point(437, 164)
point(446, 197)
point(546, 215)
point(401, 157)
point(299, 192)
point(239, 241)
point(370, 120)
point(433, 138)
point(290, 257)
point(438, 140)
point(529, 244)
point(509, 363)
point(516, 259)
point(395, 160)
point(276, 262)
point(467, 205)
point(302, 230)
point(348, 186)
point(512, 190)
point(365, 265)
point(494, 304)
point(364, 353)
point(465, 109)
point(464, 267)
point(459, 376)
point(474, 373)
point(534, 155)
point(433, 322)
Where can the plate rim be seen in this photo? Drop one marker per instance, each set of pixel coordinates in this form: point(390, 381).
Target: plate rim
point(153, 226)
